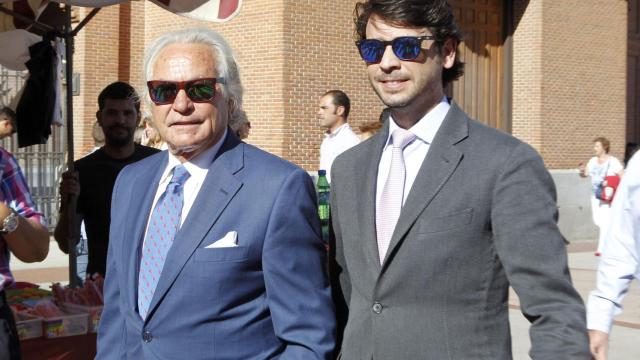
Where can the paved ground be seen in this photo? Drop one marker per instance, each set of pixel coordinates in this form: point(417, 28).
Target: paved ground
point(625, 337)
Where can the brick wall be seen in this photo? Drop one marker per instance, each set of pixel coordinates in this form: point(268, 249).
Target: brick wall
point(568, 70)
point(257, 37)
point(569, 77)
point(290, 52)
point(527, 72)
point(97, 60)
point(322, 56)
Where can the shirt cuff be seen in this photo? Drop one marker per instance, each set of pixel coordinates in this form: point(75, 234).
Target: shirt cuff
point(600, 313)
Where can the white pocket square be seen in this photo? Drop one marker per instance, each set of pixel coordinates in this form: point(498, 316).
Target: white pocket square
point(229, 240)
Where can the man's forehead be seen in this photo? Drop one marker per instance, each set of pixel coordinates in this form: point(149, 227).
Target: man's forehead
point(326, 100)
point(120, 104)
point(179, 59)
point(176, 64)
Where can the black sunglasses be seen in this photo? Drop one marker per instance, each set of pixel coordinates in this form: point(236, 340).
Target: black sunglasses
point(404, 47)
point(164, 92)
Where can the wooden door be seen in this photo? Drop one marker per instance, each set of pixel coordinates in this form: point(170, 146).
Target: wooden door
point(633, 73)
point(481, 91)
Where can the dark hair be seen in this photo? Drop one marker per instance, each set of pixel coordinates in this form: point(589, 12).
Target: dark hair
point(436, 15)
point(118, 91)
point(606, 144)
point(340, 99)
point(11, 116)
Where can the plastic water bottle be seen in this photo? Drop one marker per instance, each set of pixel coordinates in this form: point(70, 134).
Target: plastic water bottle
point(324, 211)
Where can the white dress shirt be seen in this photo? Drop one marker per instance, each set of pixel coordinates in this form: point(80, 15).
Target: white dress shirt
point(619, 262)
point(335, 144)
point(415, 153)
point(198, 168)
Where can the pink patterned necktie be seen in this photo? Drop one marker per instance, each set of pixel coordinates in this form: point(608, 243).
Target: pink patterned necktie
point(163, 225)
point(392, 195)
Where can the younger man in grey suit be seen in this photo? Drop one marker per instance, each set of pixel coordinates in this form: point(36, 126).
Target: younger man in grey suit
point(437, 215)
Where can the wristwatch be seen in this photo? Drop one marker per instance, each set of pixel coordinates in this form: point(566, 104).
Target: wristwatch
point(10, 223)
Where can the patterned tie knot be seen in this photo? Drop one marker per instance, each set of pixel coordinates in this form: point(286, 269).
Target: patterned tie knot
point(402, 138)
point(180, 175)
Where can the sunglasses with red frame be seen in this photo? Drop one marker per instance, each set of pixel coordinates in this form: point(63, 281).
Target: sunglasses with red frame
point(163, 92)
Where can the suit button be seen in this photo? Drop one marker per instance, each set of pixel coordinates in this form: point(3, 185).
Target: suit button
point(377, 308)
point(147, 337)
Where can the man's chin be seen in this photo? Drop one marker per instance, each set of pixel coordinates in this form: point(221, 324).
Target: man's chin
point(184, 150)
point(393, 99)
point(395, 102)
point(119, 142)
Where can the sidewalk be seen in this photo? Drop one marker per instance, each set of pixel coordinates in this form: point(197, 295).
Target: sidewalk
point(55, 268)
point(625, 337)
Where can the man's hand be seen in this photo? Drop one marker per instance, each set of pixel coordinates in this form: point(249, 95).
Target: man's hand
point(69, 188)
point(70, 185)
point(599, 344)
point(582, 170)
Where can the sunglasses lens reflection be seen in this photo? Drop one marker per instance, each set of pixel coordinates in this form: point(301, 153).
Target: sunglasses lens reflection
point(201, 90)
point(371, 50)
point(406, 48)
point(163, 93)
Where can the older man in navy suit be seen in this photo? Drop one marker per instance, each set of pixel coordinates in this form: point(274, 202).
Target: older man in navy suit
point(214, 248)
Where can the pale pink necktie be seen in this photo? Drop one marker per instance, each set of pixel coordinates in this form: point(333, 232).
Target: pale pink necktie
point(392, 195)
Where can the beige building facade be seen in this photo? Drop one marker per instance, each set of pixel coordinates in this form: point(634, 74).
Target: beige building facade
point(555, 74)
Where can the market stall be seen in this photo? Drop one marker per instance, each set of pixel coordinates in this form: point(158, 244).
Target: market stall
point(60, 323)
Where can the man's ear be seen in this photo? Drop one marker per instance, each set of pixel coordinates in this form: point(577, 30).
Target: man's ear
point(99, 117)
point(449, 53)
point(340, 110)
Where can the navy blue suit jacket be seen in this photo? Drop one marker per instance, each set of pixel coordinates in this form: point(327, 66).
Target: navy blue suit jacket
point(266, 298)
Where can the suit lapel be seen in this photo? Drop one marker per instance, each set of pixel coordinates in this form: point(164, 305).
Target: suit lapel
point(136, 224)
point(218, 188)
point(438, 166)
point(369, 182)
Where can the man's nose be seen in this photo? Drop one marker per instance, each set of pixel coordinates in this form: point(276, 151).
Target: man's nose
point(121, 117)
point(389, 60)
point(182, 103)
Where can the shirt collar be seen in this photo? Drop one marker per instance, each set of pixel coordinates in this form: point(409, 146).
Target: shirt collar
point(328, 133)
point(427, 127)
point(199, 165)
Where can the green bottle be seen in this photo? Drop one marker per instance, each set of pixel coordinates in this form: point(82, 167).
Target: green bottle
point(324, 211)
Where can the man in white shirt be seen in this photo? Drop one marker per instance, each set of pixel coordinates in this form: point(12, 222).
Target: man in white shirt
point(333, 112)
point(619, 262)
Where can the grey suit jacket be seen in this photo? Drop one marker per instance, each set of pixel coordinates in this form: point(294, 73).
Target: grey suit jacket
point(481, 216)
